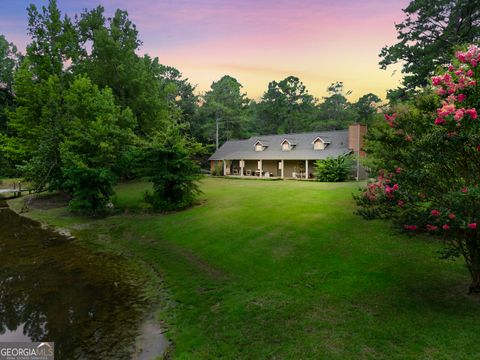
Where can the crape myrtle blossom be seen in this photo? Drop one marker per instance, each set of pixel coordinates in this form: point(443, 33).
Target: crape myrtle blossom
point(430, 152)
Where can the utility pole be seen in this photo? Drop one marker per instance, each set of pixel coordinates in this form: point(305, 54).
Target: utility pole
point(217, 120)
point(358, 155)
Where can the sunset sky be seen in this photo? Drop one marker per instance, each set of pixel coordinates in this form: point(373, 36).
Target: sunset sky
point(255, 41)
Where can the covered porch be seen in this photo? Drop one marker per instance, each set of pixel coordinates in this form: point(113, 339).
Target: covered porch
point(284, 169)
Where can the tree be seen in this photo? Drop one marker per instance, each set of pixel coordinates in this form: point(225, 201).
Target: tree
point(182, 95)
point(428, 36)
point(54, 42)
point(226, 105)
point(168, 162)
point(429, 152)
point(36, 127)
point(9, 60)
point(286, 107)
point(366, 107)
point(335, 112)
point(136, 82)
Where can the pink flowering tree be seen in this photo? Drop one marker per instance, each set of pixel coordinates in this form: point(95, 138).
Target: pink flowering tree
point(427, 154)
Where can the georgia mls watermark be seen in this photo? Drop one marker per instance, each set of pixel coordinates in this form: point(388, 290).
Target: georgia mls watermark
point(26, 350)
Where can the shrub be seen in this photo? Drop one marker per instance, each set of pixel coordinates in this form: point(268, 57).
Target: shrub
point(333, 169)
point(430, 153)
point(90, 190)
point(169, 165)
point(217, 169)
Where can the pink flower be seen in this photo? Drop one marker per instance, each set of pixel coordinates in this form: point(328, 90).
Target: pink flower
point(472, 113)
point(472, 226)
point(460, 56)
point(446, 110)
point(474, 62)
point(400, 203)
point(451, 216)
point(478, 147)
point(390, 119)
point(436, 80)
point(445, 227)
point(470, 73)
point(464, 190)
point(461, 97)
point(458, 115)
point(431, 227)
point(410, 227)
point(398, 170)
point(408, 138)
point(395, 187)
point(435, 213)
point(439, 121)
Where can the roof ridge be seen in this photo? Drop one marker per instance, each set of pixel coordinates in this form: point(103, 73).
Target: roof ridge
point(299, 133)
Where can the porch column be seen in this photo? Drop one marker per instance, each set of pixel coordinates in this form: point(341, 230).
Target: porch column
point(260, 167)
point(224, 167)
point(242, 165)
point(282, 169)
point(306, 169)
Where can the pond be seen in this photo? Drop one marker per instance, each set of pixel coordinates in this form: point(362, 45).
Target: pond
point(51, 289)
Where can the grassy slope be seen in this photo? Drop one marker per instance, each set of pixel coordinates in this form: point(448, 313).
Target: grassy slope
point(285, 270)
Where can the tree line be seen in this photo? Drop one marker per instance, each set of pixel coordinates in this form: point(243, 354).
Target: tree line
point(81, 110)
point(285, 107)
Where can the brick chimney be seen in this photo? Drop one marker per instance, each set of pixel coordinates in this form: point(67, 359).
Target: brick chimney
point(356, 133)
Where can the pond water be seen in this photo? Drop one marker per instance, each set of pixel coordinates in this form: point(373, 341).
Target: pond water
point(54, 290)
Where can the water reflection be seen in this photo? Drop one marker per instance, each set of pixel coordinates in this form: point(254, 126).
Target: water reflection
point(53, 290)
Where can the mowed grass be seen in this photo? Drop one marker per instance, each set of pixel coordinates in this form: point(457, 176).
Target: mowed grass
point(286, 270)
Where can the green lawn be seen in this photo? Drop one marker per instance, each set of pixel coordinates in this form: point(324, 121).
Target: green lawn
point(285, 270)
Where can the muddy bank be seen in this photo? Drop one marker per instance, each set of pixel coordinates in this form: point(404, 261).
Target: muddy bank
point(51, 289)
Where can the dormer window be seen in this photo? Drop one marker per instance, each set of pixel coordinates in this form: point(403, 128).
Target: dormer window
point(287, 145)
point(259, 146)
point(319, 143)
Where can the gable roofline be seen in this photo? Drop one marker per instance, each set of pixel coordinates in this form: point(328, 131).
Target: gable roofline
point(263, 143)
point(291, 143)
point(325, 141)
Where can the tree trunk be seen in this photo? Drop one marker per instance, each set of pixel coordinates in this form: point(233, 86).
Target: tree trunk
point(474, 266)
point(474, 288)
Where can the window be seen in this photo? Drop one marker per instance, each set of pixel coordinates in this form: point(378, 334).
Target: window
point(259, 146)
point(285, 146)
point(318, 145)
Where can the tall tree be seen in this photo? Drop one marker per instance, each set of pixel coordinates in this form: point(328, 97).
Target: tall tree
point(286, 107)
point(366, 107)
point(137, 82)
point(224, 104)
point(335, 112)
point(54, 42)
point(182, 93)
point(9, 60)
point(428, 36)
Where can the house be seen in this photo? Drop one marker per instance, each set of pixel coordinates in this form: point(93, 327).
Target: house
point(286, 155)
